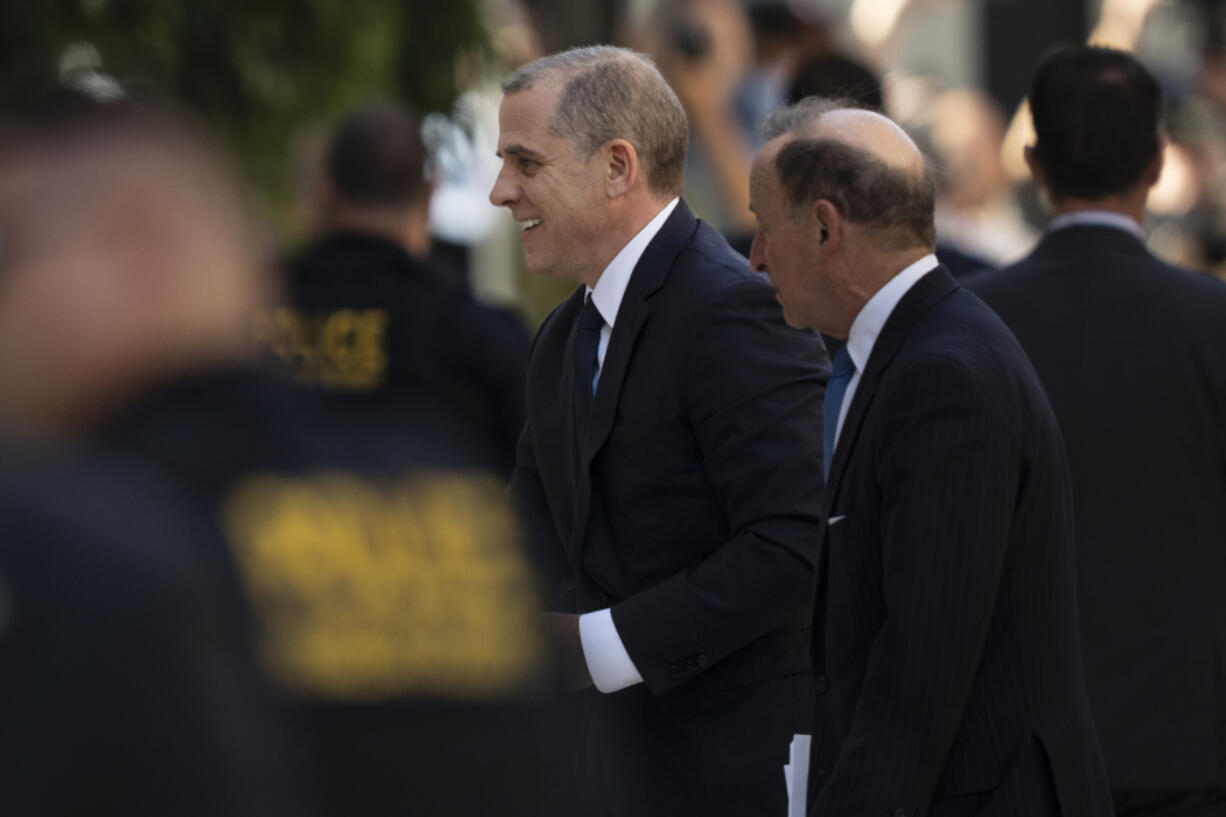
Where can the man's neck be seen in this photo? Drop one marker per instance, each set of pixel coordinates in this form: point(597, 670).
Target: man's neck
point(625, 226)
point(406, 228)
point(1129, 205)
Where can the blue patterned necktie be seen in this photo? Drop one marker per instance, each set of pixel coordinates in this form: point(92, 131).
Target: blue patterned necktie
point(835, 389)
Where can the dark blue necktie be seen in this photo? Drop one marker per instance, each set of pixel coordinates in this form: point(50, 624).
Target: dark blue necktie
point(587, 342)
point(835, 389)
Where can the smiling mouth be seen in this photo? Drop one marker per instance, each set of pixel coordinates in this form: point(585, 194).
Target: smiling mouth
point(528, 226)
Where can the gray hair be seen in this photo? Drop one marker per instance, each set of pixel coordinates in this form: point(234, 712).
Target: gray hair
point(613, 93)
point(864, 189)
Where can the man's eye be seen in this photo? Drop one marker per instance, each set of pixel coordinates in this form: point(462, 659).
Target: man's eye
point(528, 165)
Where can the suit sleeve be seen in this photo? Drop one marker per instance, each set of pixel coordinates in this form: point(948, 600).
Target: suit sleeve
point(754, 389)
point(497, 348)
point(544, 547)
point(948, 469)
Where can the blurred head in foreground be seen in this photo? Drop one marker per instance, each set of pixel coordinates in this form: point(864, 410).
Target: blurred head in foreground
point(125, 258)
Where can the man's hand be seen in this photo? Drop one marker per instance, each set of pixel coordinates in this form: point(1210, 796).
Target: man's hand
point(562, 631)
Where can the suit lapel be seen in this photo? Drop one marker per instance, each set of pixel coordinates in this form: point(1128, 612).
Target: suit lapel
point(648, 276)
point(561, 341)
point(926, 292)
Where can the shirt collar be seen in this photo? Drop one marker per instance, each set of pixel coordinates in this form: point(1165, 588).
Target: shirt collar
point(868, 324)
point(1096, 218)
point(612, 283)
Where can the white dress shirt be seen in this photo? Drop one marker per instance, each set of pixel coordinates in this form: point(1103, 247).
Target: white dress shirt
point(868, 323)
point(1097, 218)
point(607, 660)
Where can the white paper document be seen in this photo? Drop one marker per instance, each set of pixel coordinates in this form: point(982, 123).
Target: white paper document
point(796, 773)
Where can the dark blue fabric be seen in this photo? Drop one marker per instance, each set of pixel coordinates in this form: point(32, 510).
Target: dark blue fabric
point(835, 389)
point(587, 342)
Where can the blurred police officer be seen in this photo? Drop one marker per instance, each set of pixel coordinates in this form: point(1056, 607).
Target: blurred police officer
point(368, 316)
point(127, 686)
point(391, 601)
point(1132, 352)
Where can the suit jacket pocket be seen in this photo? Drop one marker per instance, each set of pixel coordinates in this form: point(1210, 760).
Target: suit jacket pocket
point(972, 766)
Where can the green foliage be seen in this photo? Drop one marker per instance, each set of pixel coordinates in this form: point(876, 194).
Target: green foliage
point(257, 69)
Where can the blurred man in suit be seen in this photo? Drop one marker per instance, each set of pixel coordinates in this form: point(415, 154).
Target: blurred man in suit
point(672, 450)
point(945, 644)
point(1132, 352)
point(369, 317)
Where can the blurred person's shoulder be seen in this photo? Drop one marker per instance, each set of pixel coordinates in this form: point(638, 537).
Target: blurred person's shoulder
point(207, 429)
point(350, 256)
point(1107, 256)
point(113, 500)
point(105, 539)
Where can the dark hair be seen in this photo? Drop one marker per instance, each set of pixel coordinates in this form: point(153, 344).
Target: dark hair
point(836, 75)
point(1097, 114)
point(613, 93)
point(864, 189)
point(377, 157)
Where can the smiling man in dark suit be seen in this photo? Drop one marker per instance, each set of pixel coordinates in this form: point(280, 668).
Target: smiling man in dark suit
point(948, 665)
point(1132, 352)
point(672, 450)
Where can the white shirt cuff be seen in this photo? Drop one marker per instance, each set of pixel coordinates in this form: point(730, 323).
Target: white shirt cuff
point(607, 660)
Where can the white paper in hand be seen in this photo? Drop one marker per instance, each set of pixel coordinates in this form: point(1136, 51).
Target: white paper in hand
point(797, 773)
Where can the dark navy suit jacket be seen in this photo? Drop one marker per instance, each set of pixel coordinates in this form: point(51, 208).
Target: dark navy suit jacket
point(688, 503)
point(1132, 352)
point(945, 629)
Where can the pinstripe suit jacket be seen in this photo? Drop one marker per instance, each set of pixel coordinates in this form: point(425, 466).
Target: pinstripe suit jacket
point(946, 649)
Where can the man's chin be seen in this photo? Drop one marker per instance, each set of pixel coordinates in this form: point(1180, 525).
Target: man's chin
point(546, 270)
point(790, 318)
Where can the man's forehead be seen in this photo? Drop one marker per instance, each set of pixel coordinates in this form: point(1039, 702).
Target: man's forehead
point(762, 171)
point(523, 120)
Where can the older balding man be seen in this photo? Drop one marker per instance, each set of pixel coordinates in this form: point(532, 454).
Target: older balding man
point(949, 676)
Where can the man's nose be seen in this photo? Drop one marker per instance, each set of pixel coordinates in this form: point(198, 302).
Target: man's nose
point(504, 193)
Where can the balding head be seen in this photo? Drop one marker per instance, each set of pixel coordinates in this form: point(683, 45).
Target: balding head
point(858, 160)
point(844, 202)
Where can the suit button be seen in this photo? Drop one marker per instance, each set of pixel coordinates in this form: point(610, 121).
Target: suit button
point(702, 660)
point(823, 684)
point(898, 812)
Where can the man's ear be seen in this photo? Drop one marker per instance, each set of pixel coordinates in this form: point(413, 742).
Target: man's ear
point(621, 167)
point(827, 224)
point(1154, 171)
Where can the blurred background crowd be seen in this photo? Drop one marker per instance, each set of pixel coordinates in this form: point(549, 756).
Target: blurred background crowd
point(274, 80)
point(143, 252)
